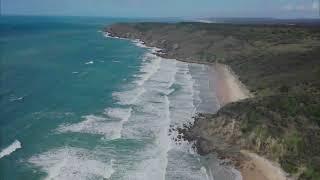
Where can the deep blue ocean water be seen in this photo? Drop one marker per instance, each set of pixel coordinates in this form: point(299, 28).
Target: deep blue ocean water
point(75, 104)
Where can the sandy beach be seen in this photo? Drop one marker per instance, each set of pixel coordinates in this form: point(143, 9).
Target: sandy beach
point(257, 167)
point(227, 86)
point(229, 89)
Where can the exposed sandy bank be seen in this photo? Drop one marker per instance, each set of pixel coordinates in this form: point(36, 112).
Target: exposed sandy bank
point(227, 86)
point(259, 168)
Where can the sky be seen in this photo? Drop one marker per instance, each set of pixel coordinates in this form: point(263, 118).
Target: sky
point(165, 8)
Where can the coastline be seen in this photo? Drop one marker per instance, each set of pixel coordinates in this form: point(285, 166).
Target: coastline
point(228, 88)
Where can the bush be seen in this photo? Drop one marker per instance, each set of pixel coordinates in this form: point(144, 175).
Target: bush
point(310, 174)
point(284, 89)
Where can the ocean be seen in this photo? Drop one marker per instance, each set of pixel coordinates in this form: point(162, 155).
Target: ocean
point(76, 104)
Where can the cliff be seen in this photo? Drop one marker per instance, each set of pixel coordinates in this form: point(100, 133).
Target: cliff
point(279, 64)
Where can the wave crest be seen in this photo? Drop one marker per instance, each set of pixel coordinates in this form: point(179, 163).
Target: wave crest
point(10, 149)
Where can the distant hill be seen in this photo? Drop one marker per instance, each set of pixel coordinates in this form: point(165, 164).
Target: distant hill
point(269, 21)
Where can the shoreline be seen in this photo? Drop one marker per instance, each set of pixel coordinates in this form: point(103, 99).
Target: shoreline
point(228, 88)
point(258, 167)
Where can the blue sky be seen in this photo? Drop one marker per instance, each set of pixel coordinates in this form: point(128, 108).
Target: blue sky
point(165, 8)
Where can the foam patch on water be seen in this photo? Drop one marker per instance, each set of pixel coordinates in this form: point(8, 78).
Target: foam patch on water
point(129, 97)
point(10, 149)
point(122, 114)
point(139, 43)
point(89, 62)
point(108, 35)
point(14, 98)
point(94, 125)
point(72, 164)
point(149, 68)
point(152, 168)
point(152, 123)
point(154, 159)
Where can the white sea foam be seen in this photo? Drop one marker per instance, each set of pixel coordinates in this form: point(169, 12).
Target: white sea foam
point(94, 125)
point(154, 157)
point(128, 97)
point(156, 50)
point(72, 164)
point(108, 35)
point(152, 166)
point(100, 125)
point(152, 121)
point(89, 62)
point(158, 108)
point(13, 99)
point(164, 139)
point(149, 68)
point(122, 114)
point(119, 113)
point(182, 160)
point(10, 149)
point(139, 43)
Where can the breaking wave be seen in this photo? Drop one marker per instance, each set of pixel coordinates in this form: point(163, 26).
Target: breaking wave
point(72, 164)
point(10, 149)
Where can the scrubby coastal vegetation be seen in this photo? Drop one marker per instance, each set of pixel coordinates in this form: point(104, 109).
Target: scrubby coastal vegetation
point(279, 64)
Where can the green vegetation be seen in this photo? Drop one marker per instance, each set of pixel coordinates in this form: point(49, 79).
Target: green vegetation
point(284, 128)
point(279, 64)
point(269, 59)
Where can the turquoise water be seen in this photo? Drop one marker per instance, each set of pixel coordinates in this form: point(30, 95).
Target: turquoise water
point(78, 105)
point(39, 58)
